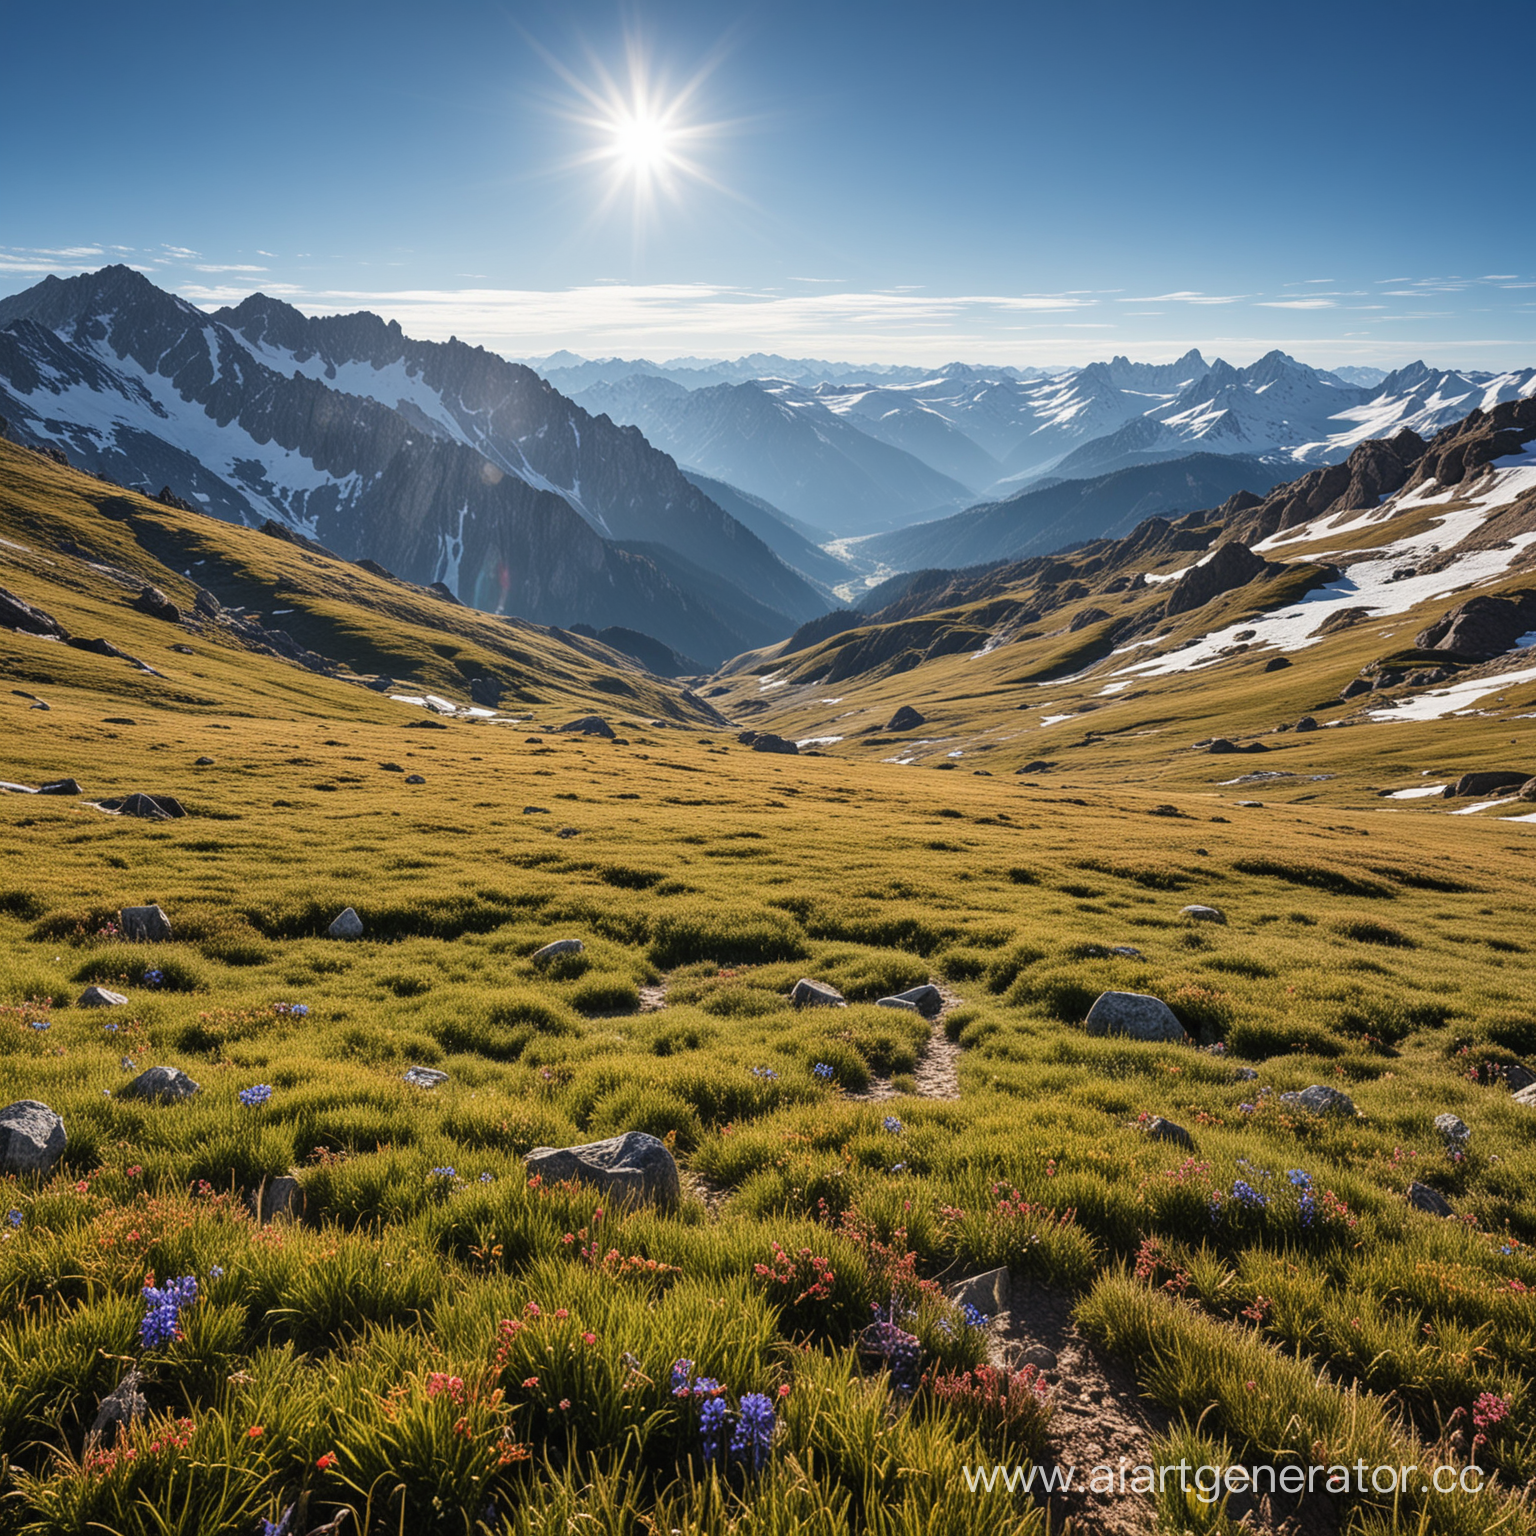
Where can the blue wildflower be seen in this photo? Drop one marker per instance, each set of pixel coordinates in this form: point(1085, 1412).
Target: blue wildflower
point(128, 1064)
point(1300, 1178)
point(707, 1386)
point(754, 1431)
point(38, 1024)
point(443, 1173)
point(278, 1527)
point(254, 1098)
point(217, 1272)
point(1307, 1208)
point(487, 1177)
point(823, 1070)
point(974, 1317)
point(109, 1028)
point(1245, 1194)
point(154, 978)
point(713, 1417)
point(14, 1217)
point(161, 1322)
point(765, 1074)
point(681, 1371)
point(893, 1125)
point(1246, 1109)
point(898, 1167)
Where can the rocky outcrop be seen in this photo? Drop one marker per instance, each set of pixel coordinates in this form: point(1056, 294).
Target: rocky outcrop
point(18, 613)
point(32, 1138)
point(816, 994)
point(590, 725)
point(634, 1168)
point(161, 1085)
point(147, 925)
point(1320, 1100)
point(906, 719)
point(1482, 627)
point(1233, 565)
point(1489, 781)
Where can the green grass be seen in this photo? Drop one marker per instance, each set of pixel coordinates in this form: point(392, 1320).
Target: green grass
point(1378, 951)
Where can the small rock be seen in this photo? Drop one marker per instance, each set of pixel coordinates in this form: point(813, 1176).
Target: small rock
point(147, 925)
point(118, 1409)
point(346, 925)
point(414, 778)
point(1165, 1130)
point(1199, 914)
point(767, 742)
point(590, 725)
point(1455, 1130)
point(989, 1292)
point(897, 1002)
point(203, 762)
point(1422, 1198)
point(535, 810)
point(1320, 1100)
point(1525, 1096)
point(1517, 1077)
point(634, 1167)
point(816, 994)
point(1244, 1075)
point(99, 997)
point(281, 1196)
point(905, 719)
point(146, 807)
point(32, 1138)
point(1490, 782)
point(1037, 1355)
point(558, 947)
point(568, 832)
point(40, 705)
point(60, 787)
point(1134, 1014)
point(161, 1085)
point(928, 998)
point(1039, 765)
point(157, 605)
point(1128, 951)
point(423, 1077)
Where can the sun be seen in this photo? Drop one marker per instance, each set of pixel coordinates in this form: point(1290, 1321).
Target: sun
point(643, 142)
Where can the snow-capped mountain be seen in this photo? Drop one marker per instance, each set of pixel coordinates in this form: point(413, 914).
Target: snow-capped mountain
point(442, 461)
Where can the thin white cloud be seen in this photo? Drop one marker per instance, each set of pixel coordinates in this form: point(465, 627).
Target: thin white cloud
point(229, 267)
point(1313, 303)
point(1187, 296)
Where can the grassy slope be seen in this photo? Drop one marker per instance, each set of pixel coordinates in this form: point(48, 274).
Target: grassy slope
point(1383, 953)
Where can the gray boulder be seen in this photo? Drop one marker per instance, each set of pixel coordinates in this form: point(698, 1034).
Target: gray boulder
point(32, 1138)
point(1526, 1096)
point(542, 957)
point(486, 692)
point(1244, 1075)
point(1517, 1077)
point(148, 925)
point(1320, 1100)
point(905, 719)
point(60, 787)
point(423, 1077)
point(590, 725)
point(928, 998)
point(281, 1196)
point(162, 1085)
point(989, 1293)
point(1133, 1014)
point(1422, 1198)
point(897, 1002)
point(346, 925)
point(1165, 1130)
point(414, 778)
point(1454, 1129)
point(118, 1409)
point(635, 1167)
point(1199, 914)
point(100, 997)
point(768, 742)
point(1491, 782)
point(816, 994)
point(1125, 951)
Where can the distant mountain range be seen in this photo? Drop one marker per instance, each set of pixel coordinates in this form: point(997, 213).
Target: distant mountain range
point(442, 461)
point(992, 431)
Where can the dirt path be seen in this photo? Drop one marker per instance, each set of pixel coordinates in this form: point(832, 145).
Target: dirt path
point(937, 1073)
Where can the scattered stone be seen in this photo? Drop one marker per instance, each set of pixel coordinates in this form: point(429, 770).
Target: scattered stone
point(99, 997)
point(634, 1167)
point(569, 832)
point(145, 807)
point(281, 1196)
point(1454, 1129)
point(414, 778)
point(535, 810)
point(1320, 1100)
point(1126, 951)
point(1200, 914)
point(1134, 1014)
point(1525, 1096)
point(1232, 565)
point(768, 742)
point(1244, 1075)
point(157, 605)
point(1160, 1129)
point(1488, 782)
point(423, 1077)
point(118, 1410)
point(1037, 1355)
point(1039, 765)
point(146, 925)
point(426, 725)
point(1277, 663)
point(1517, 1077)
point(558, 947)
point(897, 1002)
point(816, 994)
point(1422, 1198)
point(60, 787)
point(346, 925)
point(590, 725)
point(17, 613)
point(928, 998)
point(203, 762)
point(905, 719)
point(990, 1292)
point(32, 1138)
point(40, 705)
point(486, 692)
point(1307, 723)
point(162, 1085)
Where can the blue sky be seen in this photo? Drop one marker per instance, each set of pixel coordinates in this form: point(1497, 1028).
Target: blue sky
point(872, 181)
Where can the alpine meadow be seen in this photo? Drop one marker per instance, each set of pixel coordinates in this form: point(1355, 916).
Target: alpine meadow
point(504, 1028)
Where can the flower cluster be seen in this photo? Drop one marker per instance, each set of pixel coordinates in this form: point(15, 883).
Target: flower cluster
point(823, 1070)
point(255, 1097)
point(745, 1437)
point(804, 1276)
point(14, 1217)
point(899, 1351)
point(765, 1074)
point(1246, 1195)
point(291, 1010)
point(1015, 1409)
point(893, 1125)
point(442, 1173)
point(154, 978)
point(162, 1320)
point(103, 1460)
point(39, 1024)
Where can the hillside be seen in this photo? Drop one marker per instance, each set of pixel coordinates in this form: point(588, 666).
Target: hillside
point(368, 1311)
